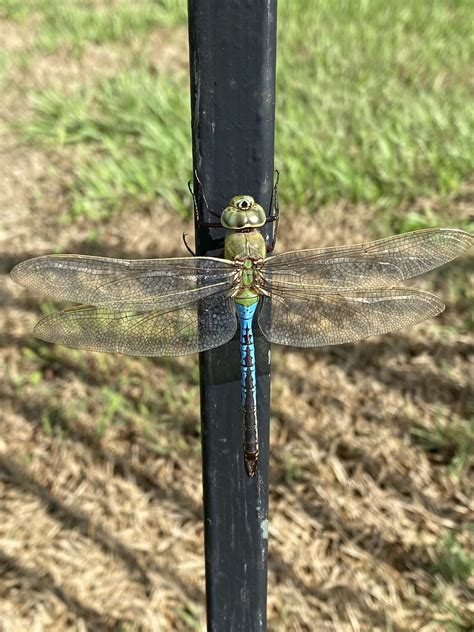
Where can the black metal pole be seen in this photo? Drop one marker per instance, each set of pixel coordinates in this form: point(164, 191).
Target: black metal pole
point(232, 55)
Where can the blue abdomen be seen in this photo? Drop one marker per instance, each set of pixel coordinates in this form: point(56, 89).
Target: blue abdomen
point(248, 385)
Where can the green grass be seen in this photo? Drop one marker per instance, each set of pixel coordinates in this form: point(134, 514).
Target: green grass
point(71, 26)
point(161, 408)
point(373, 105)
point(132, 141)
point(450, 615)
point(373, 99)
point(15, 9)
point(428, 218)
point(459, 621)
point(451, 443)
point(453, 562)
point(453, 568)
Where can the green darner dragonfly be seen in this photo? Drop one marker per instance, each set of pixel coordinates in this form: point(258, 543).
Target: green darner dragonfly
point(303, 298)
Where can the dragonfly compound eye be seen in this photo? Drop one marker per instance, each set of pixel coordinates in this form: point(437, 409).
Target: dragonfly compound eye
point(243, 212)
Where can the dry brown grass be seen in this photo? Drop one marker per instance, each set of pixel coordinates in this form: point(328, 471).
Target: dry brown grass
point(104, 531)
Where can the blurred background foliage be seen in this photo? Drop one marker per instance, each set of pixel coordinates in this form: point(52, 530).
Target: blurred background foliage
point(384, 91)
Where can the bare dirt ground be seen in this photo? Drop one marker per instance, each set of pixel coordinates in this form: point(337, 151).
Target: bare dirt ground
point(104, 531)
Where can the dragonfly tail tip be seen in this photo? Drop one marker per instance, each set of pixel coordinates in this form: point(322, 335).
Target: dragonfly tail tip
point(251, 465)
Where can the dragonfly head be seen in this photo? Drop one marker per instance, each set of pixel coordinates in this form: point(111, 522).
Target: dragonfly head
point(243, 212)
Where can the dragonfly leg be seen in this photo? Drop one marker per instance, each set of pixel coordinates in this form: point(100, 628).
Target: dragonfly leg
point(274, 212)
point(196, 207)
point(187, 246)
point(197, 216)
point(193, 195)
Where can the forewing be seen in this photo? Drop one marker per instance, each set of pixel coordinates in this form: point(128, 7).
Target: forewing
point(305, 320)
point(205, 324)
point(373, 265)
point(120, 284)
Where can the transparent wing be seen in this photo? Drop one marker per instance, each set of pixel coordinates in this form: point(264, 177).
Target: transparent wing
point(205, 324)
point(308, 320)
point(120, 284)
point(373, 265)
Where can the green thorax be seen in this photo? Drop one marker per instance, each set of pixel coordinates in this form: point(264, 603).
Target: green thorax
point(243, 242)
point(245, 247)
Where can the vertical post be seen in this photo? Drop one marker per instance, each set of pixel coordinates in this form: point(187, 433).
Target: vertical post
point(232, 61)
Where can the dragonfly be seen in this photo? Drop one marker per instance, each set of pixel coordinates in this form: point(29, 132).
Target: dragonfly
point(184, 305)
